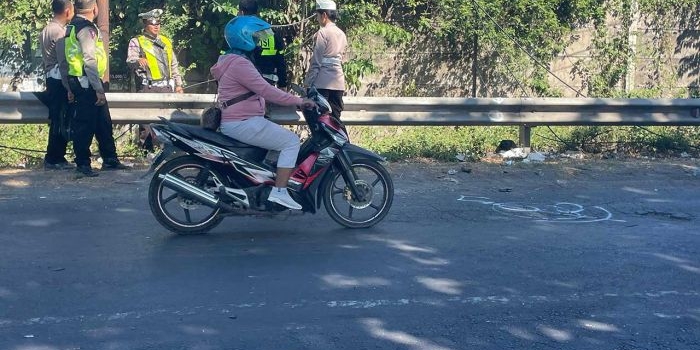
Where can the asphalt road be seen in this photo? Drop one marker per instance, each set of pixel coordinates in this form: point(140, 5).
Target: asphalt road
point(573, 255)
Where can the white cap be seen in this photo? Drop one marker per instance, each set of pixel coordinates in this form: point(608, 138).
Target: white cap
point(325, 5)
point(152, 14)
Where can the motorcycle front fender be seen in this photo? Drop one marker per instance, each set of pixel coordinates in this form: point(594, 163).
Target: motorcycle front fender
point(350, 153)
point(353, 152)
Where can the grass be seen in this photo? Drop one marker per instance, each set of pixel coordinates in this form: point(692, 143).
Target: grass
point(443, 143)
point(28, 143)
point(436, 142)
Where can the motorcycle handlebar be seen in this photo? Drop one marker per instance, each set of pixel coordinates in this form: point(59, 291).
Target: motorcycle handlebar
point(298, 89)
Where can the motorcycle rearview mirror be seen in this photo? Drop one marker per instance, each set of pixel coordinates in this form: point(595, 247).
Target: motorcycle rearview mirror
point(297, 89)
point(312, 92)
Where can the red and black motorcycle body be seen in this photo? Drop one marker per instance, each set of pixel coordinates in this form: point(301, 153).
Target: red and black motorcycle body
point(249, 171)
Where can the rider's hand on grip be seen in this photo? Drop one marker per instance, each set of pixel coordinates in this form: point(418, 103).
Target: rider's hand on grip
point(308, 104)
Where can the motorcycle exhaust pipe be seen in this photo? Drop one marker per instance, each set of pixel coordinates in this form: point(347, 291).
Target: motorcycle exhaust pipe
point(191, 191)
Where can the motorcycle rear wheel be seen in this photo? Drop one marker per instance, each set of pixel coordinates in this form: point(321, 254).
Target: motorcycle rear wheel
point(376, 183)
point(179, 213)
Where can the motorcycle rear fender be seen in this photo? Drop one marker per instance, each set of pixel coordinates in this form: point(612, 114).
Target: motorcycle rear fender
point(168, 150)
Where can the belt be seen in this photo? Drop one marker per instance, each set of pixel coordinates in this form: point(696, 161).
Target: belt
point(83, 81)
point(159, 83)
point(331, 61)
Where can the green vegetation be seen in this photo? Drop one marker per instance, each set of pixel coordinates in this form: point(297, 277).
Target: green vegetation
point(436, 142)
point(514, 42)
point(444, 143)
point(28, 143)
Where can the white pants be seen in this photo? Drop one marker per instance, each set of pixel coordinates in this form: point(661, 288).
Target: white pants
point(258, 131)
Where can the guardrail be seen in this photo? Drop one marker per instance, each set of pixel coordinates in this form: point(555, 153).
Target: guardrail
point(132, 108)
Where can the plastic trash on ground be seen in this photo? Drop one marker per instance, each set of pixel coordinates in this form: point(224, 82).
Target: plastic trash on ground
point(514, 153)
point(535, 157)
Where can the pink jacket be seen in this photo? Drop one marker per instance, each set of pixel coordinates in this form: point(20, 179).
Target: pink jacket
point(236, 76)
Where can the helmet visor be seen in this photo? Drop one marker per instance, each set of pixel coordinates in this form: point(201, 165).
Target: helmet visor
point(261, 36)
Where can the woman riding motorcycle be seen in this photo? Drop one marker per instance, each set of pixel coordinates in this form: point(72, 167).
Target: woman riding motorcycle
point(244, 120)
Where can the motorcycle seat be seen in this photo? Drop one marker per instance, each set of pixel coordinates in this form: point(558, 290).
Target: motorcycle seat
point(213, 136)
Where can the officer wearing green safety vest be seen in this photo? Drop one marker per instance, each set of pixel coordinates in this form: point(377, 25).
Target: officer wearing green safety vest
point(74, 54)
point(269, 60)
point(81, 73)
point(155, 66)
point(150, 56)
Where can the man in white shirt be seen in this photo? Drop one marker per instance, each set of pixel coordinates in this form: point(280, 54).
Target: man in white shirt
point(326, 69)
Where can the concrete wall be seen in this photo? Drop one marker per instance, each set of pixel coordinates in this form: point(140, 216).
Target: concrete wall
point(426, 70)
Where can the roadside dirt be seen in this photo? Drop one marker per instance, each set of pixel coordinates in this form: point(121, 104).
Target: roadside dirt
point(412, 176)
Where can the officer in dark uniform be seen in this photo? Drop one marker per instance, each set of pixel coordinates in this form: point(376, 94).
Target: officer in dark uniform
point(56, 94)
point(270, 60)
point(85, 65)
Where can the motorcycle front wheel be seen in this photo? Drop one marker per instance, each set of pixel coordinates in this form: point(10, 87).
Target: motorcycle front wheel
point(177, 212)
point(374, 181)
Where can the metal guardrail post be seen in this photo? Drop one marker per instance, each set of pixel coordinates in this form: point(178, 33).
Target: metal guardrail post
point(525, 132)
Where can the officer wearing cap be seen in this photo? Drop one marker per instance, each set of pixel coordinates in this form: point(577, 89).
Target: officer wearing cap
point(325, 68)
point(81, 73)
point(151, 57)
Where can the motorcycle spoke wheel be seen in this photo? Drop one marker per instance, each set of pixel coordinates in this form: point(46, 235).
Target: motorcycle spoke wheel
point(180, 213)
point(377, 189)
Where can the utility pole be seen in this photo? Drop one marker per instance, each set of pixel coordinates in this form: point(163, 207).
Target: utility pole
point(475, 57)
point(103, 25)
point(475, 46)
point(632, 42)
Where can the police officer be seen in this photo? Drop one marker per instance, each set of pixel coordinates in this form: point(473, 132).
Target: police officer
point(56, 94)
point(269, 59)
point(151, 57)
point(85, 65)
point(325, 68)
point(154, 63)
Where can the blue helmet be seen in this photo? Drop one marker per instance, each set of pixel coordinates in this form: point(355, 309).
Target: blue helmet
point(245, 32)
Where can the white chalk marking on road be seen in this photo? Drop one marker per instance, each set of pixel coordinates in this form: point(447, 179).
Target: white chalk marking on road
point(675, 317)
point(228, 309)
point(561, 212)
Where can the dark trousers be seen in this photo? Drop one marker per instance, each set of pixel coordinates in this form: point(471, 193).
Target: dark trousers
point(90, 121)
point(57, 102)
point(335, 98)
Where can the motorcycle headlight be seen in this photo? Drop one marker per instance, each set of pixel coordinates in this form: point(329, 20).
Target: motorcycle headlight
point(338, 137)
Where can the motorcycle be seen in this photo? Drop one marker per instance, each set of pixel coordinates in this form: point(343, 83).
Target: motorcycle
point(206, 176)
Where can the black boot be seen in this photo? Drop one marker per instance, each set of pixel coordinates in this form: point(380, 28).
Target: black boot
point(113, 164)
point(85, 171)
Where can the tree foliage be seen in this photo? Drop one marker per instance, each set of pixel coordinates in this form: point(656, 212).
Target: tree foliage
point(516, 39)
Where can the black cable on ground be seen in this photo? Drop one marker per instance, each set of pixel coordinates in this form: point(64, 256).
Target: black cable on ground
point(21, 149)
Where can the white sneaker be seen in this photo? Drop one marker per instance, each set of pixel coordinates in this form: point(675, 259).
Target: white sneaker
point(281, 197)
